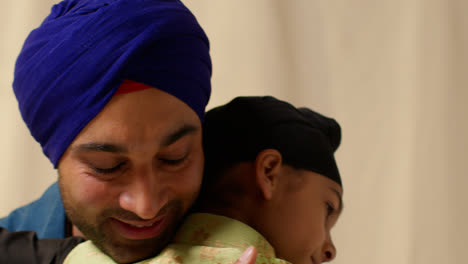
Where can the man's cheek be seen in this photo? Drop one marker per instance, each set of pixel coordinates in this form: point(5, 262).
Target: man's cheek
point(90, 191)
point(192, 187)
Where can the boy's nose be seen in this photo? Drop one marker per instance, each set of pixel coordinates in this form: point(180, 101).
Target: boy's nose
point(328, 251)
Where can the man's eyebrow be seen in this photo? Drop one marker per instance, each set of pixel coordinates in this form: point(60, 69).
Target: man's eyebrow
point(120, 149)
point(340, 207)
point(178, 134)
point(101, 147)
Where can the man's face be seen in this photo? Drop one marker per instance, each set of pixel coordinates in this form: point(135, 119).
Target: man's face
point(304, 211)
point(132, 173)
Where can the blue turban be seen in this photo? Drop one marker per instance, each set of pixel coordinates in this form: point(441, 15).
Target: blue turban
point(71, 66)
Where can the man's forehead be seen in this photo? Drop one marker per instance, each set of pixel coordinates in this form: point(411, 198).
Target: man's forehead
point(145, 109)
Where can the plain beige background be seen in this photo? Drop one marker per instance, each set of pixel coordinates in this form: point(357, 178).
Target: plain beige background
point(393, 73)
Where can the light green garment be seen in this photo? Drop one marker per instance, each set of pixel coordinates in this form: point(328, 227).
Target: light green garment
point(203, 238)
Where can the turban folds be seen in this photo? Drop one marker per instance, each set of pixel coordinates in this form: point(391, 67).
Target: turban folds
point(73, 63)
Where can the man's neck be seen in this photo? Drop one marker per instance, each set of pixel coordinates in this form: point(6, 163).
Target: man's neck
point(77, 232)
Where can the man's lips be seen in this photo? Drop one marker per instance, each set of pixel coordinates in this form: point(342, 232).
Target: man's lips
point(137, 230)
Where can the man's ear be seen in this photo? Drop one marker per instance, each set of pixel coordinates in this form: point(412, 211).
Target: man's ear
point(267, 171)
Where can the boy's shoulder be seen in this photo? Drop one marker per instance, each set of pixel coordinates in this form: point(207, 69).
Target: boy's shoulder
point(174, 253)
point(202, 238)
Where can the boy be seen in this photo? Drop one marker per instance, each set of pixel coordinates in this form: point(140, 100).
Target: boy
point(270, 181)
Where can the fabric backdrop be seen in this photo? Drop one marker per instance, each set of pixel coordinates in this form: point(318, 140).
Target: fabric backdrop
point(393, 73)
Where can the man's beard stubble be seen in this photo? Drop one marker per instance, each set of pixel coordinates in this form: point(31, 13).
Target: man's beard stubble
point(118, 248)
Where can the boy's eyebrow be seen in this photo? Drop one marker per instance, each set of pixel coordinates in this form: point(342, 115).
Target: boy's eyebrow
point(340, 206)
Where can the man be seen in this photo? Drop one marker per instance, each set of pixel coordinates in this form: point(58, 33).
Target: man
point(270, 180)
point(129, 164)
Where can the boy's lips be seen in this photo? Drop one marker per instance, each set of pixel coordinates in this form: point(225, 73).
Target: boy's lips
point(137, 230)
point(313, 260)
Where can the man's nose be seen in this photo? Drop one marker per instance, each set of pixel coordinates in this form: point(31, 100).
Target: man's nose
point(142, 195)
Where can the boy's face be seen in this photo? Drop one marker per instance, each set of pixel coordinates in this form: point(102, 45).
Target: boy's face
point(133, 172)
point(305, 207)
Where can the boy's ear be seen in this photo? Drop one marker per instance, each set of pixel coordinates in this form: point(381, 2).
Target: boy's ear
point(267, 171)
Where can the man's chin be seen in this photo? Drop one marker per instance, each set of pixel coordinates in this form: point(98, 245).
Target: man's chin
point(125, 237)
point(129, 250)
point(127, 254)
point(127, 243)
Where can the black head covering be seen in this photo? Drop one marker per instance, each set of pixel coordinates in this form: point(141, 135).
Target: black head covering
point(241, 129)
